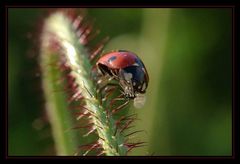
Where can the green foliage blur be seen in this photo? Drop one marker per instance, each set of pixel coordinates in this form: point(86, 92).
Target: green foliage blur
point(187, 53)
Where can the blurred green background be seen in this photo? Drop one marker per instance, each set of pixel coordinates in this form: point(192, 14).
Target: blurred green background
point(187, 53)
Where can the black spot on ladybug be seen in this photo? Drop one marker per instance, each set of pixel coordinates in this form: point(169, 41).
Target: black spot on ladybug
point(112, 58)
point(122, 51)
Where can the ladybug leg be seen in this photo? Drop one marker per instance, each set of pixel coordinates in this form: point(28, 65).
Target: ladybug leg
point(106, 90)
point(127, 88)
point(103, 80)
point(126, 83)
point(107, 87)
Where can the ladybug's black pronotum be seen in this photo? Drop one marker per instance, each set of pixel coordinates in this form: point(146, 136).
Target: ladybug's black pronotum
point(128, 69)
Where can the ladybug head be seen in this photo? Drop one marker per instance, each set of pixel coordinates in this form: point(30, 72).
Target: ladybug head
point(133, 80)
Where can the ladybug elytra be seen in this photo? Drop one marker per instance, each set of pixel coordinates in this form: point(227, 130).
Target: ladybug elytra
point(128, 69)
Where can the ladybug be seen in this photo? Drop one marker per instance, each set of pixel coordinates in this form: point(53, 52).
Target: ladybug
point(128, 69)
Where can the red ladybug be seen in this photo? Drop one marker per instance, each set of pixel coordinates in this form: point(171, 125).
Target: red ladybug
point(128, 69)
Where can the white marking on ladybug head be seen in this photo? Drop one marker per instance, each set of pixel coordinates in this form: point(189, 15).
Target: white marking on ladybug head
point(135, 64)
point(139, 100)
point(134, 83)
point(143, 86)
point(127, 90)
point(127, 76)
point(110, 78)
point(99, 81)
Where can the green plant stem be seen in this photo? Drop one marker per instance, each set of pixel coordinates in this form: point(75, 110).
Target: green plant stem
point(57, 108)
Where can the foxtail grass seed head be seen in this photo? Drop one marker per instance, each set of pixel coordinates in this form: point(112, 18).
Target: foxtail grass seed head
point(87, 76)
